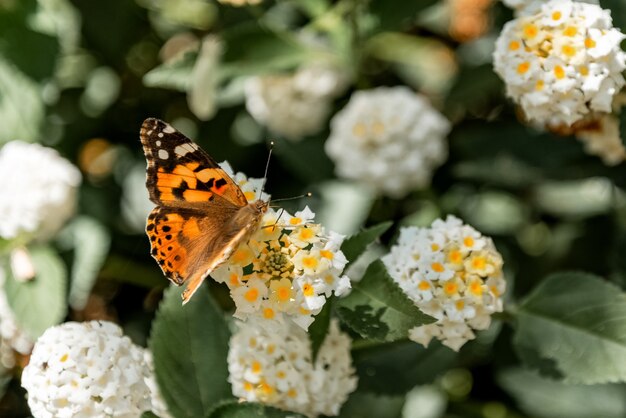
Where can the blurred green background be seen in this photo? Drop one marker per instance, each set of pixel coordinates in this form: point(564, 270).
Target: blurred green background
point(80, 76)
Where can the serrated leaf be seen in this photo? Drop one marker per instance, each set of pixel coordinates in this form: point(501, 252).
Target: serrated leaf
point(354, 246)
point(90, 241)
point(319, 328)
point(41, 302)
point(378, 309)
point(190, 345)
point(545, 398)
point(174, 75)
point(397, 367)
point(250, 410)
point(577, 321)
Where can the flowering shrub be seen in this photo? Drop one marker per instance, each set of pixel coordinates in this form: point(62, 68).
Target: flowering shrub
point(460, 250)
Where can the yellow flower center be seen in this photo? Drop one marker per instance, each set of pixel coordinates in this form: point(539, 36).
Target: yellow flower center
point(568, 50)
point(295, 221)
point(327, 254)
point(63, 358)
point(584, 70)
point(306, 234)
point(256, 367)
point(556, 15)
point(539, 86)
point(514, 45)
point(455, 256)
point(283, 293)
point(559, 72)
point(359, 130)
point(570, 31)
point(530, 31)
point(459, 305)
point(523, 67)
point(476, 288)
point(423, 285)
point(438, 267)
point(434, 247)
point(590, 43)
point(308, 290)
point(268, 313)
point(479, 263)
point(450, 288)
point(309, 262)
point(251, 295)
point(250, 195)
point(468, 241)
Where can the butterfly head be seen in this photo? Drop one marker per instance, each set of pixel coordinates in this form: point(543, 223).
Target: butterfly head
point(260, 206)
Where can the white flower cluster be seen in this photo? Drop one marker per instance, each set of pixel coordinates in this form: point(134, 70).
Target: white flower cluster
point(287, 268)
point(38, 193)
point(88, 370)
point(453, 274)
point(529, 7)
point(601, 137)
point(389, 138)
point(295, 105)
point(562, 63)
point(273, 365)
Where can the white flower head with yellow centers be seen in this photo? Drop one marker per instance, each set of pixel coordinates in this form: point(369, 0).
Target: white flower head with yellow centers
point(452, 273)
point(530, 7)
point(389, 138)
point(561, 63)
point(288, 267)
point(274, 366)
point(90, 369)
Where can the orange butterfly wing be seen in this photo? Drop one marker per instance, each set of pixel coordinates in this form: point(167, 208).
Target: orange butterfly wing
point(179, 173)
point(195, 226)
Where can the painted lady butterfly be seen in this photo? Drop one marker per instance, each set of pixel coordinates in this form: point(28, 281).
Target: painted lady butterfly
point(201, 216)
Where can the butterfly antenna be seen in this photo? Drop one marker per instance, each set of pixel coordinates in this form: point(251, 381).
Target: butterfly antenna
point(267, 165)
point(309, 194)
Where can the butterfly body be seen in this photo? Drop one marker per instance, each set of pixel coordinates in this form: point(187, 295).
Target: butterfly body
point(201, 216)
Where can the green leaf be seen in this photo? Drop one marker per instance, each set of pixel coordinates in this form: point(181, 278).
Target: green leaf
point(252, 49)
point(354, 246)
point(577, 321)
point(545, 398)
point(361, 404)
point(33, 53)
point(396, 15)
point(91, 242)
point(250, 410)
point(190, 346)
point(319, 328)
point(397, 367)
point(174, 75)
point(149, 414)
point(41, 302)
point(378, 309)
point(21, 105)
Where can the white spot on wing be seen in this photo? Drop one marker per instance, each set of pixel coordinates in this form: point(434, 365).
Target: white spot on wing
point(163, 154)
point(184, 149)
point(158, 143)
point(168, 129)
point(160, 134)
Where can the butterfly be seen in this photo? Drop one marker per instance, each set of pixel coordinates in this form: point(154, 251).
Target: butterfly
point(201, 216)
